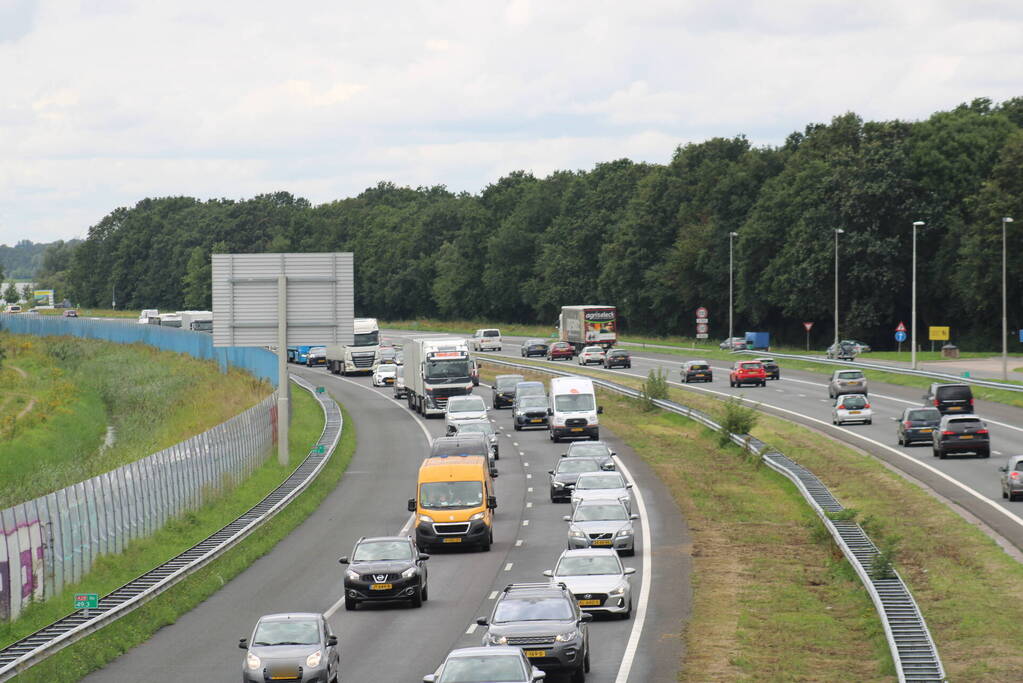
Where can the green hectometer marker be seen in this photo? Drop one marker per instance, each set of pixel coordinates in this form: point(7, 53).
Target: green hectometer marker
point(87, 601)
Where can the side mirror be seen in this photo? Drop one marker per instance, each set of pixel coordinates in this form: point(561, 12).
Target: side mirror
point(539, 675)
point(1003, 468)
point(633, 516)
point(628, 486)
point(550, 472)
point(452, 429)
point(411, 504)
point(423, 557)
point(567, 518)
point(550, 412)
point(629, 571)
point(430, 678)
point(548, 572)
point(564, 455)
point(492, 502)
point(585, 617)
point(243, 643)
point(600, 410)
point(331, 641)
point(481, 621)
point(343, 560)
point(614, 453)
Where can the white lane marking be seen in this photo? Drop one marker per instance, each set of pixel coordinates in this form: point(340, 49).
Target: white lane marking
point(525, 464)
point(802, 395)
point(472, 629)
point(529, 476)
point(515, 443)
point(493, 595)
point(525, 522)
point(528, 504)
point(518, 542)
point(508, 567)
point(996, 452)
point(529, 489)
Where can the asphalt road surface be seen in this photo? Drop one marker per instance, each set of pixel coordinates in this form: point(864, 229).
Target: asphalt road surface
point(398, 643)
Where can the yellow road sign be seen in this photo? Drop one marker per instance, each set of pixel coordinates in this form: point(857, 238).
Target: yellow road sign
point(938, 333)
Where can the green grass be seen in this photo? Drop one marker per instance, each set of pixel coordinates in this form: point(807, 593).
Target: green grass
point(153, 399)
point(969, 590)
point(94, 651)
point(94, 312)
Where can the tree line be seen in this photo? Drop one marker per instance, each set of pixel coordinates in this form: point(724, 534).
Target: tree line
point(652, 239)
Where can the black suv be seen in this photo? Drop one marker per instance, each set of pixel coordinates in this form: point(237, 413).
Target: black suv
point(534, 347)
point(950, 398)
point(771, 368)
point(385, 568)
point(530, 411)
point(961, 434)
point(565, 473)
point(617, 358)
point(546, 622)
point(504, 389)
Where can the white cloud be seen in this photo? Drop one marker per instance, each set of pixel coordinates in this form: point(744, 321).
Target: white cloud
point(109, 102)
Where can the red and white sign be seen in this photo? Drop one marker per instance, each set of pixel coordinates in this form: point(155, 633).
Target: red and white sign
point(901, 327)
point(808, 326)
point(701, 328)
point(702, 312)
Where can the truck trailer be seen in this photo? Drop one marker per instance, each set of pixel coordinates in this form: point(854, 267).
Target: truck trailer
point(435, 370)
point(592, 325)
point(363, 355)
point(197, 321)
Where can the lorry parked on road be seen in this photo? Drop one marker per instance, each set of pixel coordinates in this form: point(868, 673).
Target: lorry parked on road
point(362, 355)
point(436, 369)
point(197, 321)
point(592, 325)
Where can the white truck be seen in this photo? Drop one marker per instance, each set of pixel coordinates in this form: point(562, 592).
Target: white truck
point(591, 325)
point(149, 316)
point(363, 355)
point(197, 321)
point(436, 369)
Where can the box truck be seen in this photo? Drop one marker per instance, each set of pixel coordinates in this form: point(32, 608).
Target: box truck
point(593, 325)
point(435, 370)
point(362, 355)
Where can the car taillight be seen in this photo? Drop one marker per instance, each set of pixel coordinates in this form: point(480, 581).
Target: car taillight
point(947, 432)
point(867, 406)
point(907, 424)
point(971, 401)
point(982, 431)
point(1014, 475)
point(936, 403)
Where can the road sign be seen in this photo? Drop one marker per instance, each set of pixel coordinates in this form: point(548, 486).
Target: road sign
point(1021, 336)
point(86, 600)
point(702, 328)
point(938, 333)
point(701, 336)
point(319, 390)
point(901, 327)
point(320, 449)
point(900, 336)
point(808, 326)
point(702, 312)
point(702, 321)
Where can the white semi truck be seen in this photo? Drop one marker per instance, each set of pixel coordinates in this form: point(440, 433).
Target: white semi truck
point(436, 369)
point(197, 321)
point(591, 325)
point(363, 355)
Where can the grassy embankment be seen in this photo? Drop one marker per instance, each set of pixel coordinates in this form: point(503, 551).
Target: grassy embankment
point(773, 597)
point(94, 312)
point(70, 390)
point(712, 352)
point(94, 651)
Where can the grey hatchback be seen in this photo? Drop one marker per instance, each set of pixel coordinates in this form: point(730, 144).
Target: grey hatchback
point(297, 646)
point(1012, 477)
point(961, 434)
point(847, 382)
point(916, 424)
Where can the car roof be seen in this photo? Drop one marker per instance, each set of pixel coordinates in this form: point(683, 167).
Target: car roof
point(557, 464)
point(490, 651)
point(966, 416)
point(589, 552)
point(284, 616)
point(589, 443)
point(597, 500)
point(697, 362)
point(534, 590)
point(372, 539)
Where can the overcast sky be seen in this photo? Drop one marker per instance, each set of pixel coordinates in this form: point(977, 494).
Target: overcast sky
point(105, 102)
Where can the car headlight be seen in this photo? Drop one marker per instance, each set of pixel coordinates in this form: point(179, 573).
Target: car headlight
point(498, 640)
point(252, 661)
point(352, 575)
point(619, 590)
point(313, 660)
point(426, 518)
point(576, 533)
point(410, 572)
point(627, 531)
point(478, 515)
point(565, 637)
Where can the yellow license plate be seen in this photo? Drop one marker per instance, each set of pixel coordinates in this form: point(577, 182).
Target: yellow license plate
point(854, 412)
point(954, 408)
point(381, 587)
point(927, 430)
point(536, 420)
point(604, 541)
point(535, 653)
point(577, 429)
point(966, 436)
point(452, 540)
point(589, 603)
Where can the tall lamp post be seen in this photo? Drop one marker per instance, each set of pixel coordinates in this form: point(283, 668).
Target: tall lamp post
point(838, 231)
point(912, 325)
point(1005, 320)
point(731, 335)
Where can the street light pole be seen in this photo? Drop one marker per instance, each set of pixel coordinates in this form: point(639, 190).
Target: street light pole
point(838, 231)
point(731, 334)
point(1005, 320)
point(912, 339)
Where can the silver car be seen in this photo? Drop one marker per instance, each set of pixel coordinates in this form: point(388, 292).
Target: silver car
point(1012, 477)
point(847, 382)
point(495, 663)
point(597, 450)
point(483, 427)
point(600, 523)
point(399, 382)
point(602, 485)
point(465, 408)
point(295, 646)
point(597, 579)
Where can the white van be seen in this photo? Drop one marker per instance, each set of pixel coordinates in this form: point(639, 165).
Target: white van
point(149, 316)
point(573, 409)
point(488, 339)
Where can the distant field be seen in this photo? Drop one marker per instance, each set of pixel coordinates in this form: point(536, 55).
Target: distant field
point(60, 396)
point(94, 312)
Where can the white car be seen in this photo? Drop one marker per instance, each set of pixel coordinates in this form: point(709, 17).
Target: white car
point(384, 375)
point(597, 579)
point(852, 408)
point(488, 339)
point(610, 485)
point(466, 408)
point(591, 354)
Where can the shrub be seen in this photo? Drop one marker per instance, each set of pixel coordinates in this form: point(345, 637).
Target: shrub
point(654, 387)
point(737, 419)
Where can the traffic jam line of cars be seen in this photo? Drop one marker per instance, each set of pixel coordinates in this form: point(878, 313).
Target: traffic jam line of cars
point(533, 628)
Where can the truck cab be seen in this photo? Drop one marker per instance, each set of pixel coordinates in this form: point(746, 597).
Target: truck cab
point(435, 370)
point(362, 355)
point(455, 502)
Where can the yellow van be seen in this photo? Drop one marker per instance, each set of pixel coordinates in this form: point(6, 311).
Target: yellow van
point(455, 503)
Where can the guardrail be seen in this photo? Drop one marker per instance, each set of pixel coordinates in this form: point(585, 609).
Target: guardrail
point(23, 654)
point(912, 648)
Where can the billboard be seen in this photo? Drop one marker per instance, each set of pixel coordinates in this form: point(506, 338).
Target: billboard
point(42, 298)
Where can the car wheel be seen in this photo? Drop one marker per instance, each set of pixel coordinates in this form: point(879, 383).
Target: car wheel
point(351, 604)
point(627, 614)
point(579, 675)
point(426, 594)
point(902, 442)
point(485, 545)
point(518, 428)
point(870, 421)
point(942, 455)
point(628, 552)
point(986, 454)
point(417, 599)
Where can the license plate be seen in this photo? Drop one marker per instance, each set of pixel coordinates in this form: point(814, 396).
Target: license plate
point(452, 540)
point(535, 653)
point(536, 420)
point(603, 541)
point(589, 603)
point(966, 436)
point(926, 431)
point(854, 412)
point(381, 587)
point(951, 408)
point(576, 429)
point(285, 676)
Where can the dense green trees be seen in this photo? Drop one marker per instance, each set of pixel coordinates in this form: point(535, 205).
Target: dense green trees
point(652, 239)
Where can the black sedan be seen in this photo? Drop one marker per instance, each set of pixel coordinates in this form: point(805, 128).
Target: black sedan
point(916, 424)
point(617, 358)
point(385, 568)
point(534, 347)
point(771, 368)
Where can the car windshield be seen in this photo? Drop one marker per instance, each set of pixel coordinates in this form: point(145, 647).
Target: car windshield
point(508, 382)
point(386, 368)
point(854, 402)
point(287, 632)
point(529, 389)
point(471, 404)
point(367, 339)
point(451, 494)
point(532, 402)
point(964, 424)
point(576, 465)
point(535, 342)
point(484, 669)
point(387, 354)
point(955, 393)
point(379, 551)
point(491, 333)
point(476, 428)
point(610, 480)
point(447, 369)
point(593, 349)
point(619, 353)
point(589, 450)
point(929, 414)
point(699, 366)
point(600, 513)
point(533, 609)
point(588, 566)
point(566, 403)
point(750, 366)
point(458, 445)
point(850, 374)
point(1019, 465)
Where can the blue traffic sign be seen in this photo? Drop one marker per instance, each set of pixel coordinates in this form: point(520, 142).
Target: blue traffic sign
point(900, 336)
point(1021, 336)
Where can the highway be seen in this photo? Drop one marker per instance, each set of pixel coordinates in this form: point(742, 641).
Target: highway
point(398, 643)
point(969, 482)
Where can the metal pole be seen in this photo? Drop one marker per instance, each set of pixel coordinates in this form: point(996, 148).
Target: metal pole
point(912, 341)
point(838, 231)
point(283, 411)
point(731, 329)
point(1005, 319)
